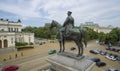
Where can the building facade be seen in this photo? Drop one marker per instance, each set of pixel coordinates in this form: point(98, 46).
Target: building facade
point(96, 27)
point(11, 32)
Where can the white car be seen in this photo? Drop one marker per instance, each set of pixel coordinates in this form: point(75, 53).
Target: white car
point(110, 57)
point(112, 69)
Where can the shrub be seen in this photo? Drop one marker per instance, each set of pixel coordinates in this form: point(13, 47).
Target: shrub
point(31, 43)
point(21, 43)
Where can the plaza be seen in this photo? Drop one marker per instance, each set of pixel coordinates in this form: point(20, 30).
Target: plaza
point(36, 57)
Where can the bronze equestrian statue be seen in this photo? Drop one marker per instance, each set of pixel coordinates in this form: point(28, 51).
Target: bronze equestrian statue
point(68, 31)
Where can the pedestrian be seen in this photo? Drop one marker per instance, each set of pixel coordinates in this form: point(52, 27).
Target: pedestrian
point(15, 55)
point(21, 53)
point(10, 57)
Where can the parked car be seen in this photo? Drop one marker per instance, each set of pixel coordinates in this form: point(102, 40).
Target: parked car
point(104, 53)
point(94, 51)
point(95, 59)
point(111, 57)
point(112, 49)
point(101, 43)
point(112, 69)
point(52, 51)
point(100, 64)
point(118, 58)
point(73, 48)
point(10, 68)
point(118, 43)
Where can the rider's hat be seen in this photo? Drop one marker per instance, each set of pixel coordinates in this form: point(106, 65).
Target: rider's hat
point(70, 12)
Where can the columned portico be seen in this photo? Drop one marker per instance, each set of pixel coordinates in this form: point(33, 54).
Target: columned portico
point(0, 43)
point(11, 32)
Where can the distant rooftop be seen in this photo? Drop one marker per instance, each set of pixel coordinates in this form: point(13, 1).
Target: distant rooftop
point(89, 24)
point(7, 20)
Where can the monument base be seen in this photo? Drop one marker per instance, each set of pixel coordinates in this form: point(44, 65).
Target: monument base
point(63, 63)
point(71, 55)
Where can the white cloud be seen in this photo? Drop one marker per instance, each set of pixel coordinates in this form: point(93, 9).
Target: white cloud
point(100, 11)
point(18, 10)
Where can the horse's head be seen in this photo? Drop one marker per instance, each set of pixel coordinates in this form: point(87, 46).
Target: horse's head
point(52, 24)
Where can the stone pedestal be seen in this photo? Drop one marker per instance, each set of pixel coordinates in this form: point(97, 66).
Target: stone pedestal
point(63, 63)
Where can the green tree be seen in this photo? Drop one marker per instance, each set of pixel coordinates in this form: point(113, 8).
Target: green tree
point(91, 34)
point(41, 32)
point(102, 37)
point(114, 35)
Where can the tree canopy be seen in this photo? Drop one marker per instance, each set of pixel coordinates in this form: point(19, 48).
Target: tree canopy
point(45, 32)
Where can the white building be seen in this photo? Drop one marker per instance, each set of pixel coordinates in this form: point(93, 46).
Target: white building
point(11, 32)
point(96, 27)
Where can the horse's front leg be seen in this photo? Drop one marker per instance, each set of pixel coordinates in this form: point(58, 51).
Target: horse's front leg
point(63, 45)
point(78, 45)
point(60, 46)
point(81, 48)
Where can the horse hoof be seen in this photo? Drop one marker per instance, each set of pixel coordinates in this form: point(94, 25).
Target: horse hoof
point(78, 55)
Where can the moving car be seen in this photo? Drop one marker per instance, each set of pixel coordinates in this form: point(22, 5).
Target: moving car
point(10, 68)
point(52, 51)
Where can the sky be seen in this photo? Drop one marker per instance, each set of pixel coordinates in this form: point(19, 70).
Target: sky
point(38, 12)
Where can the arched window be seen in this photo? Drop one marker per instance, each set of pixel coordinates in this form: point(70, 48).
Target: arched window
point(5, 43)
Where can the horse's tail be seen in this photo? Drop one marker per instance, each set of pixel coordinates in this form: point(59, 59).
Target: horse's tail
point(84, 36)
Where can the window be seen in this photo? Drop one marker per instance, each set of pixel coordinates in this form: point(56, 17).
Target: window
point(19, 39)
point(12, 29)
point(15, 29)
point(5, 36)
point(9, 29)
point(2, 29)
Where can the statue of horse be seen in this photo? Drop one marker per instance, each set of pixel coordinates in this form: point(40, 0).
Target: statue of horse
point(75, 36)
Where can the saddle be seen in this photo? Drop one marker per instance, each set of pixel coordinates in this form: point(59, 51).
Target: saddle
point(68, 33)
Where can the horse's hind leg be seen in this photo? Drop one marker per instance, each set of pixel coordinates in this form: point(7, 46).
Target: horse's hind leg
point(60, 46)
point(81, 48)
point(60, 40)
point(63, 45)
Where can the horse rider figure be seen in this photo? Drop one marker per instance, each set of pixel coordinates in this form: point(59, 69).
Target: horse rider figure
point(68, 24)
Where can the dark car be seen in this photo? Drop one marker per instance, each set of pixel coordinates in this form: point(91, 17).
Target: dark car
point(100, 64)
point(118, 58)
point(112, 49)
point(101, 43)
point(73, 48)
point(10, 68)
point(94, 51)
point(95, 59)
point(118, 43)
